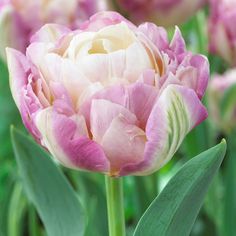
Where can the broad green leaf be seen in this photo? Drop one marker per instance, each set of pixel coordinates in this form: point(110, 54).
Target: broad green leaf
point(174, 211)
point(229, 203)
point(48, 189)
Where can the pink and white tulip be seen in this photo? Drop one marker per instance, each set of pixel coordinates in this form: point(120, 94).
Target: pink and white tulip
point(110, 97)
point(162, 12)
point(222, 31)
point(222, 96)
point(19, 19)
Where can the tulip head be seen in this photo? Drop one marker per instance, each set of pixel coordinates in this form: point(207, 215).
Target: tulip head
point(109, 97)
point(222, 33)
point(163, 12)
point(222, 97)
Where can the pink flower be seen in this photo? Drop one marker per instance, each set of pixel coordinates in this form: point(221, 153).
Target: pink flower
point(222, 32)
point(110, 97)
point(162, 12)
point(222, 103)
point(19, 19)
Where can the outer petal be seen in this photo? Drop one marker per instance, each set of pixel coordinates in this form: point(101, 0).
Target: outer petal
point(50, 33)
point(123, 144)
point(202, 65)
point(177, 44)
point(140, 101)
point(22, 89)
point(137, 98)
point(157, 35)
point(175, 113)
point(66, 138)
point(102, 114)
point(102, 19)
point(18, 69)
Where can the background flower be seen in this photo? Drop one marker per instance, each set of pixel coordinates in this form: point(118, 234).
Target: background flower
point(222, 90)
point(110, 97)
point(222, 33)
point(162, 12)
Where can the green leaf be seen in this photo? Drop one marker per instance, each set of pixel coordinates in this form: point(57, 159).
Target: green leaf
point(229, 202)
point(48, 189)
point(174, 211)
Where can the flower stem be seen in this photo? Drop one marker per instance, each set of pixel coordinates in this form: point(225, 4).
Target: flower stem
point(115, 206)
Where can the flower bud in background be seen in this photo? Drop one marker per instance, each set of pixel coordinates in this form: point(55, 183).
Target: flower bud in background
point(162, 12)
point(110, 97)
point(222, 32)
point(222, 100)
point(19, 19)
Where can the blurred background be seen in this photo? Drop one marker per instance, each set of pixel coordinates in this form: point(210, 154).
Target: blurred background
point(208, 27)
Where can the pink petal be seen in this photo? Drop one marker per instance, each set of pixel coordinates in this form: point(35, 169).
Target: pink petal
point(49, 33)
point(103, 19)
point(102, 114)
point(123, 143)
point(18, 72)
point(175, 113)
point(177, 44)
point(141, 98)
point(66, 138)
point(157, 35)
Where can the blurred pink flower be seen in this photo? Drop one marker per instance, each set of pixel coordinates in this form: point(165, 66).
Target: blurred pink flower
point(162, 12)
point(222, 30)
point(222, 100)
point(110, 97)
point(19, 19)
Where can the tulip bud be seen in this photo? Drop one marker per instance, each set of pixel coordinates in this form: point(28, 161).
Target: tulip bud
point(163, 12)
point(110, 97)
point(20, 19)
point(222, 33)
point(222, 100)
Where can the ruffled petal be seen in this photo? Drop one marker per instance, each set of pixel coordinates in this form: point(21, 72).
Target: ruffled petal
point(175, 113)
point(103, 19)
point(67, 139)
point(123, 143)
point(18, 73)
point(49, 33)
point(102, 114)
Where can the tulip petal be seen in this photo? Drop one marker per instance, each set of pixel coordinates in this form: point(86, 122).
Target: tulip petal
point(140, 101)
point(102, 114)
point(157, 35)
point(49, 33)
point(66, 138)
point(103, 19)
point(175, 113)
point(123, 143)
point(177, 44)
point(202, 66)
point(18, 69)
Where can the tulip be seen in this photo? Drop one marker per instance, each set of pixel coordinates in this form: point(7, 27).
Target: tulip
point(163, 12)
point(20, 19)
point(109, 97)
point(222, 103)
point(222, 33)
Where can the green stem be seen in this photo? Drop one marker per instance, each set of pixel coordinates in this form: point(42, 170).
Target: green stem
point(115, 206)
